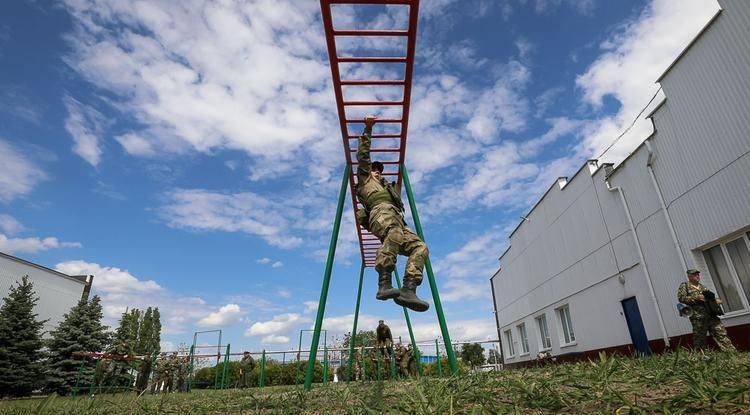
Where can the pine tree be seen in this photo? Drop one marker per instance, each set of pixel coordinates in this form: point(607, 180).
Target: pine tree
point(81, 330)
point(145, 332)
point(21, 369)
point(155, 344)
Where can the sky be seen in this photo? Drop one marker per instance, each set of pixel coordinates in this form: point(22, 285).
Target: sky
point(188, 154)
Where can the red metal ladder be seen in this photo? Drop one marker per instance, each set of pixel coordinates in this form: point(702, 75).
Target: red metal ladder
point(368, 242)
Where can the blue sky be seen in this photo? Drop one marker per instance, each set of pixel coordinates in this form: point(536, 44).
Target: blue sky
point(188, 153)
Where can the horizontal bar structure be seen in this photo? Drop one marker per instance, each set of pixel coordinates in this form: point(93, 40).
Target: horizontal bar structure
point(394, 155)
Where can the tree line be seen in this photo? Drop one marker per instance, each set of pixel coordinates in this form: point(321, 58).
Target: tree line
point(30, 363)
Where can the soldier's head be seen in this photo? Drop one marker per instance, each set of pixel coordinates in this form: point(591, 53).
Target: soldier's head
point(376, 170)
point(381, 322)
point(693, 275)
point(246, 353)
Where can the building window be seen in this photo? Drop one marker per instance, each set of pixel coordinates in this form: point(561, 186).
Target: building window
point(729, 266)
point(566, 324)
point(541, 324)
point(524, 338)
point(509, 342)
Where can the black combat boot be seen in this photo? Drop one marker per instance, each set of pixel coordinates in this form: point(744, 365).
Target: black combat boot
point(385, 288)
point(407, 296)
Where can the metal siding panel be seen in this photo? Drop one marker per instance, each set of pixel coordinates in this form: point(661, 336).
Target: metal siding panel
point(57, 295)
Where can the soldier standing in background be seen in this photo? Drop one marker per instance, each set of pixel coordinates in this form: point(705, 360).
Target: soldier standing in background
point(384, 339)
point(383, 216)
point(702, 316)
point(247, 364)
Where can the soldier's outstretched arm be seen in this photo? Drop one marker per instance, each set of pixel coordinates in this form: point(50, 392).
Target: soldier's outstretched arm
point(363, 148)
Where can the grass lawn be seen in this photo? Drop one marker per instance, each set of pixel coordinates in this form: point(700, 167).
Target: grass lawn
point(674, 383)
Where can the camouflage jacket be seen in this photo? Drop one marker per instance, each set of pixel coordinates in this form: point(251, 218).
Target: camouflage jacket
point(384, 332)
point(372, 192)
point(688, 294)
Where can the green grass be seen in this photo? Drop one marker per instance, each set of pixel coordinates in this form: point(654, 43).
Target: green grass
point(674, 383)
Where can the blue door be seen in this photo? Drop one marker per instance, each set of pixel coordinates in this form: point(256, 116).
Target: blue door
point(635, 326)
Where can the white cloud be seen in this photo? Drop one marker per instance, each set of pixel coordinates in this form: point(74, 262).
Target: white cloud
point(135, 144)
point(632, 59)
point(310, 306)
point(263, 261)
point(284, 293)
point(85, 124)
point(472, 259)
point(32, 245)
point(10, 225)
point(225, 316)
point(277, 264)
point(466, 289)
point(274, 339)
point(190, 73)
point(247, 212)
point(166, 346)
point(108, 279)
point(121, 290)
point(18, 175)
point(276, 326)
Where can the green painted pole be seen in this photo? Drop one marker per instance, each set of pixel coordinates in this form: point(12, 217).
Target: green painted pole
point(414, 349)
point(393, 366)
point(379, 354)
point(353, 336)
point(190, 368)
point(431, 277)
point(78, 377)
point(225, 372)
point(325, 363)
point(93, 377)
point(439, 364)
point(326, 279)
point(363, 364)
point(262, 377)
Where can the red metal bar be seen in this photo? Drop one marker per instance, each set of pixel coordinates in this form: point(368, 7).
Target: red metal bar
point(372, 82)
point(355, 32)
point(368, 242)
point(372, 59)
point(373, 103)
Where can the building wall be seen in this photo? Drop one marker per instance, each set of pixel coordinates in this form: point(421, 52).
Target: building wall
point(577, 247)
point(57, 292)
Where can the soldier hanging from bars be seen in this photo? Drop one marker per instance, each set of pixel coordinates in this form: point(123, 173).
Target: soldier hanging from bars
point(383, 215)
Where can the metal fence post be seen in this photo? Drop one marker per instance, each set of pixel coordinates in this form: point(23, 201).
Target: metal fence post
point(439, 363)
point(431, 277)
point(326, 279)
point(262, 376)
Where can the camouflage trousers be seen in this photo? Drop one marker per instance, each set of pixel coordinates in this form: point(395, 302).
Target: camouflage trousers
point(706, 324)
point(388, 225)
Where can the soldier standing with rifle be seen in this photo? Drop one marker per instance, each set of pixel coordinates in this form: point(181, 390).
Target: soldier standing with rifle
point(704, 311)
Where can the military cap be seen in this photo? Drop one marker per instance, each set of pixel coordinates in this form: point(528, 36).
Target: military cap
point(692, 271)
point(377, 166)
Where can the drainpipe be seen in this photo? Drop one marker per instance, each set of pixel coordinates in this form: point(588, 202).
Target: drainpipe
point(497, 317)
point(650, 169)
point(652, 292)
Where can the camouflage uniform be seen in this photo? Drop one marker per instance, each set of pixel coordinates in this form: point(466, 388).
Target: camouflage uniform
point(405, 362)
point(701, 320)
point(384, 339)
point(386, 220)
point(246, 366)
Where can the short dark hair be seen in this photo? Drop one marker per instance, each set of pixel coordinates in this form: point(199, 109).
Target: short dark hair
point(377, 166)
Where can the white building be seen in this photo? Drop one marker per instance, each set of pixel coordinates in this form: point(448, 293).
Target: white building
point(598, 262)
point(57, 292)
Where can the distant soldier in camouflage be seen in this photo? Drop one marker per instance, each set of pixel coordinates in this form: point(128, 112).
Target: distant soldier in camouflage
point(247, 364)
point(694, 294)
point(160, 373)
point(384, 339)
point(405, 362)
point(383, 216)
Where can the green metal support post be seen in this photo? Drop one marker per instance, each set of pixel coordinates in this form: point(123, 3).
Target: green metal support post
point(393, 366)
point(190, 368)
point(379, 354)
point(326, 280)
point(414, 348)
point(431, 277)
point(353, 336)
point(225, 370)
point(78, 376)
point(439, 363)
point(325, 363)
point(262, 377)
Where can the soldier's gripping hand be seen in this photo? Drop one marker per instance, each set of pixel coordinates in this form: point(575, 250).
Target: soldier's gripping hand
point(370, 120)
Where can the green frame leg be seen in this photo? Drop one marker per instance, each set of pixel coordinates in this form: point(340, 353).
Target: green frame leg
point(326, 279)
point(353, 336)
point(431, 277)
point(414, 349)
